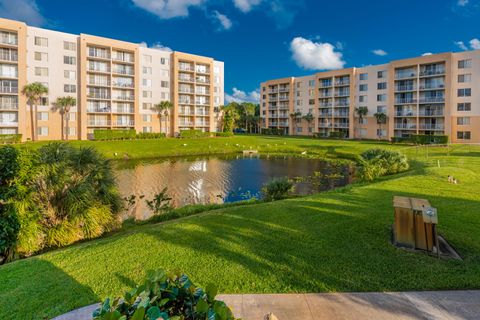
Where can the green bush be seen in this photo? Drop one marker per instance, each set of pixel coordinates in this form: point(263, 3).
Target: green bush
point(150, 135)
point(276, 189)
point(194, 133)
point(9, 229)
point(272, 131)
point(337, 135)
point(375, 163)
point(114, 134)
point(223, 134)
point(167, 297)
point(422, 139)
point(10, 138)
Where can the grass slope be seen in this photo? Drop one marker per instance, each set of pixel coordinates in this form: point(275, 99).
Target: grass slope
point(333, 241)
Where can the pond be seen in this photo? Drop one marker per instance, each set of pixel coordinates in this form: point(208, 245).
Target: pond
point(218, 179)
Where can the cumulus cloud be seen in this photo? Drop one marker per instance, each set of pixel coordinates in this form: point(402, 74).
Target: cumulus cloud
point(223, 20)
point(315, 55)
point(462, 3)
point(156, 45)
point(23, 10)
point(379, 52)
point(427, 54)
point(246, 5)
point(240, 96)
point(461, 45)
point(167, 9)
point(475, 44)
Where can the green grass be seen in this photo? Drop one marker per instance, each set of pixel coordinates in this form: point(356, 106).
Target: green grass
point(333, 241)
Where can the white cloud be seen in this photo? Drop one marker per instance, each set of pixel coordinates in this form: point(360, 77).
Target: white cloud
point(462, 3)
point(156, 45)
point(167, 9)
point(379, 52)
point(224, 21)
point(461, 45)
point(240, 96)
point(475, 44)
point(315, 55)
point(427, 54)
point(23, 10)
point(246, 5)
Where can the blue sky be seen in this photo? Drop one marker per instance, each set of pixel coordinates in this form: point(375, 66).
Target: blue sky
point(266, 39)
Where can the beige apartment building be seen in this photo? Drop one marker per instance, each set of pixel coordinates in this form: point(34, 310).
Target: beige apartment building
point(434, 95)
point(116, 84)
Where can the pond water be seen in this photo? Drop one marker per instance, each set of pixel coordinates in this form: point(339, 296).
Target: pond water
point(217, 179)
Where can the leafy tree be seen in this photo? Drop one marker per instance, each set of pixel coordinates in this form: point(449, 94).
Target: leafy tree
point(163, 110)
point(230, 115)
point(309, 118)
point(34, 92)
point(361, 112)
point(63, 106)
point(381, 119)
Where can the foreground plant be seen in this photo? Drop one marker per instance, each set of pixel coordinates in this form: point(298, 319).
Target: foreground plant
point(165, 297)
point(375, 163)
point(277, 189)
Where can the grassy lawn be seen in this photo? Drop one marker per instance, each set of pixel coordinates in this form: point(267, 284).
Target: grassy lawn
point(333, 241)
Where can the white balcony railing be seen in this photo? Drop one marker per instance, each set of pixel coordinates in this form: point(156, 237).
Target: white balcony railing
point(430, 126)
point(8, 89)
point(97, 122)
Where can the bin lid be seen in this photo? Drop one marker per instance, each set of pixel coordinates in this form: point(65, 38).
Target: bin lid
point(419, 204)
point(402, 202)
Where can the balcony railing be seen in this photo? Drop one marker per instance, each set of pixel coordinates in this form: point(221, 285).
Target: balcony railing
point(95, 95)
point(341, 104)
point(8, 57)
point(432, 72)
point(185, 68)
point(202, 124)
point(98, 68)
point(342, 83)
point(123, 110)
point(123, 98)
point(283, 106)
point(123, 71)
point(284, 116)
point(325, 95)
point(432, 86)
point(405, 100)
point(431, 113)
point(202, 80)
point(203, 92)
point(8, 106)
point(98, 54)
point(13, 41)
point(273, 91)
point(283, 124)
point(125, 58)
point(202, 103)
point(342, 93)
point(202, 70)
point(124, 123)
point(326, 105)
point(123, 84)
point(325, 84)
point(405, 75)
point(185, 90)
point(184, 101)
point(283, 98)
point(8, 89)
point(99, 109)
point(406, 88)
point(186, 112)
point(326, 114)
point(284, 89)
point(432, 99)
point(341, 114)
point(98, 122)
point(186, 79)
point(407, 113)
point(324, 125)
point(185, 123)
point(406, 126)
point(429, 126)
point(341, 125)
point(8, 123)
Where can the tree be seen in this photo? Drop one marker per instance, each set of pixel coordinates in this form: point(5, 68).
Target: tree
point(294, 116)
point(229, 117)
point(162, 109)
point(381, 119)
point(309, 118)
point(63, 106)
point(34, 92)
point(361, 112)
point(248, 113)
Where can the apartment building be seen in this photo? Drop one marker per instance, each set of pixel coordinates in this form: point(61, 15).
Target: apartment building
point(116, 84)
point(434, 95)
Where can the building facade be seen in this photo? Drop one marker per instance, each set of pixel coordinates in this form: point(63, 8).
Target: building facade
point(116, 84)
point(434, 95)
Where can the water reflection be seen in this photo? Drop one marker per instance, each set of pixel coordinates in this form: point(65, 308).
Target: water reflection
point(214, 179)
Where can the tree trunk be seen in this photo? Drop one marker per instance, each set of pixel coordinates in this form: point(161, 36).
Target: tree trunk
point(36, 122)
point(62, 133)
point(160, 122)
point(67, 119)
point(32, 123)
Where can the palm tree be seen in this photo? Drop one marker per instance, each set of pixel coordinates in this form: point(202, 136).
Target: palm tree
point(63, 106)
point(162, 109)
point(361, 112)
point(294, 116)
point(34, 92)
point(309, 118)
point(381, 118)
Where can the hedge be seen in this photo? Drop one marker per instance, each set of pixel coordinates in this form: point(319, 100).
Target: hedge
point(194, 133)
point(150, 135)
point(223, 134)
point(10, 138)
point(337, 135)
point(114, 134)
point(272, 131)
point(422, 139)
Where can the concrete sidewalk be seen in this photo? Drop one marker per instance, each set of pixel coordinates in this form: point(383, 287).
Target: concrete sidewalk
point(450, 305)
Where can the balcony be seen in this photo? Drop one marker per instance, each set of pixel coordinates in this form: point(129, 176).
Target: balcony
point(432, 72)
point(186, 67)
point(341, 114)
point(8, 89)
point(185, 101)
point(202, 124)
point(123, 58)
point(405, 101)
point(97, 68)
point(123, 84)
point(283, 98)
point(202, 103)
point(432, 99)
point(284, 89)
point(11, 40)
point(406, 88)
point(123, 110)
point(185, 90)
point(93, 109)
point(341, 83)
point(405, 126)
point(185, 123)
point(324, 125)
point(202, 92)
point(98, 123)
point(341, 104)
point(326, 114)
point(325, 94)
point(284, 116)
point(342, 93)
point(11, 57)
point(432, 86)
point(8, 105)
point(200, 69)
point(124, 123)
point(200, 80)
point(431, 113)
point(275, 124)
point(325, 84)
point(96, 95)
point(273, 91)
point(326, 105)
point(186, 112)
point(128, 72)
point(6, 123)
point(405, 75)
point(430, 126)
point(341, 125)
point(99, 54)
point(405, 113)
point(283, 124)
point(185, 79)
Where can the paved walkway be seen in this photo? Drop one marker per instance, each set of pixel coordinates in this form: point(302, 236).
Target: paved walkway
point(451, 305)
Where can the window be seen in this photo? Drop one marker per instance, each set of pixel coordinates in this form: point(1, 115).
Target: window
point(147, 82)
point(41, 71)
point(362, 98)
point(311, 102)
point(299, 129)
point(381, 74)
point(381, 86)
point(216, 100)
point(71, 88)
point(381, 132)
point(298, 93)
point(381, 97)
point(164, 61)
point(382, 109)
point(299, 84)
point(147, 94)
point(163, 96)
point(362, 132)
point(71, 116)
point(147, 118)
point(311, 83)
point(164, 84)
point(467, 92)
point(40, 41)
point(70, 74)
point(44, 101)
point(147, 129)
point(363, 76)
point(464, 78)
point(67, 45)
point(463, 121)
point(465, 106)
point(146, 106)
point(299, 102)
point(71, 131)
point(217, 79)
point(463, 135)
point(42, 131)
point(42, 116)
point(363, 120)
point(147, 70)
point(465, 64)
point(69, 60)
point(41, 56)
point(363, 87)
point(9, 71)
point(311, 93)
point(216, 70)
point(147, 58)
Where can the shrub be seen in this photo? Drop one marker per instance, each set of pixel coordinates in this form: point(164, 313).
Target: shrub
point(276, 189)
point(114, 134)
point(160, 202)
point(272, 131)
point(10, 138)
point(223, 134)
point(165, 297)
point(150, 135)
point(375, 163)
point(9, 229)
point(337, 135)
point(194, 133)
point(422, 139)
